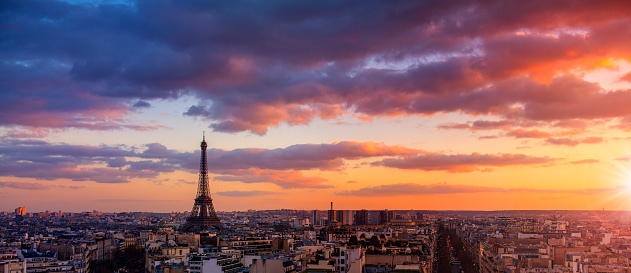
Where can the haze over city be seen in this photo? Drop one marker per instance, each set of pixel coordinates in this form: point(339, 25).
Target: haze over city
point(428, 105)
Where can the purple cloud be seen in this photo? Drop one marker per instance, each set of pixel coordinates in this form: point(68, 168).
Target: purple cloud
point(90, 66)
point(460, 162)
point(281, 166)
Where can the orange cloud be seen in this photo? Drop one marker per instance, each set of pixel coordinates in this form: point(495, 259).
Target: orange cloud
point(284, 179)
point(574, 142)
point(459, 162)
point(585, 161)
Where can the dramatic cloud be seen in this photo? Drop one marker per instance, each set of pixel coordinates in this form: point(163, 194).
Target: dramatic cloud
point(418, 189)
point(283, 166)
point(42, 160)
point(91, 66)
point(302, 156)
point(460, 162)
point(119, 164)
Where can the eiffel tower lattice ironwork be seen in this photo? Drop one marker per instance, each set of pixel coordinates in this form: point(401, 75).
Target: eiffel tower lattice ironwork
point(203, 215)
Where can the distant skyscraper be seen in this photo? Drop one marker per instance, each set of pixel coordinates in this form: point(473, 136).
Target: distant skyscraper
point(361, 217)
point(203, 215)
point(340, 215)
point(332, 215)
point(315, 218)
point(21, 211)
point(345, 217)
point(349, 218)
point(391, 215)
point(373, 217)
point(383, 217)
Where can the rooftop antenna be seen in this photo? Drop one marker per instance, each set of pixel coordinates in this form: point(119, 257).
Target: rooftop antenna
point(203, 135)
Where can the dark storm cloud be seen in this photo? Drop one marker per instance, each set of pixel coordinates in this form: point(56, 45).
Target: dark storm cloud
point(256, 65)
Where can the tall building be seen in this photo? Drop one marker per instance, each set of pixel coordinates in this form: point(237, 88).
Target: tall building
point(315, 218)
point(349, 219)
point(387, 216)
point(345, 217)
point(361, 217)
point(373, 217)
point(332, 215)
point(340, 215)
point(383, 217)
point(392, 215)
point(203, 215)
point(21, 211)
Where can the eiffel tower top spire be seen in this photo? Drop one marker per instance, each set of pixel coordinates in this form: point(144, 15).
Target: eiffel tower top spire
point(202, 186)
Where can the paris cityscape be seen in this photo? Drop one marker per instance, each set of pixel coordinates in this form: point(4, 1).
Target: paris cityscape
point(427, 136)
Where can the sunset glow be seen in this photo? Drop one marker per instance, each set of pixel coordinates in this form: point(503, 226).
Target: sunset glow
point(475, 105)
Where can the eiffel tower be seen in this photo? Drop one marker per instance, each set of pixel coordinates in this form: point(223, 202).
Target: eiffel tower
point(203, 215)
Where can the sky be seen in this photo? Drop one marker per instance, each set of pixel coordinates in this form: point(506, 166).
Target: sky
point(426, 105)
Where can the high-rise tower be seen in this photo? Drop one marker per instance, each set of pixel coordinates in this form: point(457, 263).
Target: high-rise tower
point(203, 215)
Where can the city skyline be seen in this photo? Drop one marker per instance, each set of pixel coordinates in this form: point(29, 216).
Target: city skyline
point(429, 105)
